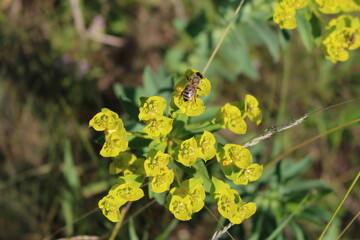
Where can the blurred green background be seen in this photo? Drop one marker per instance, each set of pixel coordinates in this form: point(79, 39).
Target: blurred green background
point(62, 61)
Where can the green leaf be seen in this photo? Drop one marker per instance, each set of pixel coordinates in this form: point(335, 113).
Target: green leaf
point(204, 175)
point(293, 169)
point(315, 215)
point(170, 227)
point(132, 230)
point(298, 232)
point(303, 186)
point(305, 30)
point(127, 100)
point(268, 36)
point(208, 115)
point(160, 197)
point(316, 28)
point(150, 82)
point(204, 127)
point(68, 212)
point(138, 142)
point(69, 171)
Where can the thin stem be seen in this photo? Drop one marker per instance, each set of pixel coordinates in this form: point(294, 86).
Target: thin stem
point(218, 221)
point(347, 226)
point(140, 210)
point(338, 208)
point(222, 37)
point(119, 224)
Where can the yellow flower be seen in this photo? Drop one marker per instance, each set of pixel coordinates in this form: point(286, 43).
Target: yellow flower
point(349, 6)
point(252, 110)
point(243, 211)
point(191, 108)
point(110, 208)
point(251, 173)
point(230, 117)
point(158, 126)
point(194, 189)
point(181, 207)
point(237, 154)
point(106, 119)
point(114, 144)
point(343, 33)
point(329, 6)
point(152, 107)
point(206, 148)
point(188, 152)
point(284, 16)
point(296, 3)
point(156, 162)
point(162, 181)
point(127, 192)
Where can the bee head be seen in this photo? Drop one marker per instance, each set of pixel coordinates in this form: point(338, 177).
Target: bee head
point(199, 75)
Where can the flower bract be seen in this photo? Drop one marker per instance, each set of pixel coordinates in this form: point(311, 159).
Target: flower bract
point(156, 162)
point(152, 107)
point(188, 152)
point(106, 119)
point(161, 182)
point(252, 109)
point(158, 126)
point(206, 146)
point(181, 207)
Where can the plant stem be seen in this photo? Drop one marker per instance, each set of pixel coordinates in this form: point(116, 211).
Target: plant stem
point(222, 37)
point(341, 203)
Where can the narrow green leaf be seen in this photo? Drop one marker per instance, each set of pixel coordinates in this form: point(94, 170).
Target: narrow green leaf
point(303, 186)
point(293, 169)
point(305, 30)
point(132, 230)
point(268, 36)
point(68, 212)
point(69, 171)
point(165, 234)
point(203, 174)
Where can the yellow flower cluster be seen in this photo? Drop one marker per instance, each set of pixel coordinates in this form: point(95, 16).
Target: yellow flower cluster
point(115, 133)
point(172, 146)
point(336, 6)
point(196, 147)
point(231, 115)
point(285, 11)
point(236, 164)
point(156, 168)
point(186, 199)
point(151, 111)
point(230, 204)
point(343, 35)
point(127, 189)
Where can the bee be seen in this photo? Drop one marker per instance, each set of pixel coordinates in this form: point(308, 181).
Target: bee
point(192, 86)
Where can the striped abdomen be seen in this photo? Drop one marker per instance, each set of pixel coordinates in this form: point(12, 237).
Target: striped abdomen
point(188, 93)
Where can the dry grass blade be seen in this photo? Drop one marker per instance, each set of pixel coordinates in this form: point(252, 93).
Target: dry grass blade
point(272, 130)
point(217, 235)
